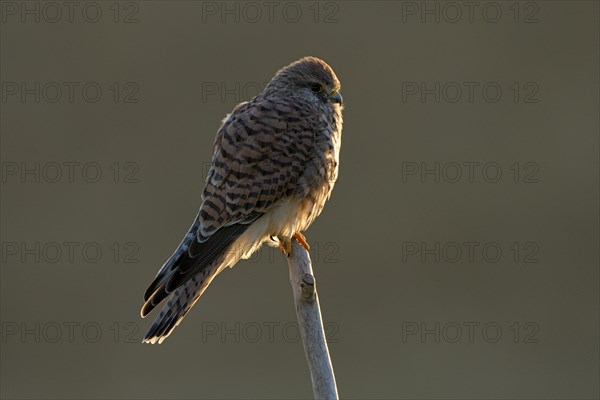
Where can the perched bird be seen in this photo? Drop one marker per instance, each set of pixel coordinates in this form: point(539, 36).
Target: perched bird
point(274, 164)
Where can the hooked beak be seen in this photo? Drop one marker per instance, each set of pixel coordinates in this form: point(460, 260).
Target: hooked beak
point(336, 97)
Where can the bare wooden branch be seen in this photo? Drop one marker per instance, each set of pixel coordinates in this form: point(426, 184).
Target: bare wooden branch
point(311, 324)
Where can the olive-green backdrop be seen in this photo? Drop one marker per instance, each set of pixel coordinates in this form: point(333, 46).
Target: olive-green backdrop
point(456, 259)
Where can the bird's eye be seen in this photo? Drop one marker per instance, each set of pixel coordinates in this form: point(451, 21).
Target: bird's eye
point(316, 87)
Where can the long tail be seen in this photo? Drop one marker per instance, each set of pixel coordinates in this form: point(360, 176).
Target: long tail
point(179, 303)
point(187, 274)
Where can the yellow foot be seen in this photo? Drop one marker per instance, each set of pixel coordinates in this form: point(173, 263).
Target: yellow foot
point(285, 245)
point(301, 240)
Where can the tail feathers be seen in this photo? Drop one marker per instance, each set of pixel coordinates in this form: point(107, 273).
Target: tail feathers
point(189, 271)
point(179, 303)
point(191, 259)
point(172, 263)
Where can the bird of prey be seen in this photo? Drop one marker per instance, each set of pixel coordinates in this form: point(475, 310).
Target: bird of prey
point(274, 164)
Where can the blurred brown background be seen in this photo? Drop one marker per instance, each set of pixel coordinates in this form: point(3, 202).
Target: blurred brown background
point(457, 258)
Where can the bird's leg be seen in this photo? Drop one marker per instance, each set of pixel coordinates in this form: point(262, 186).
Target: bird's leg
point(285, 245)
point(302, 240)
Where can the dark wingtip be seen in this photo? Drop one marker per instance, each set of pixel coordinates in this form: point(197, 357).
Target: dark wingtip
point(154, 286)
point(146, 309)
point(154, 299)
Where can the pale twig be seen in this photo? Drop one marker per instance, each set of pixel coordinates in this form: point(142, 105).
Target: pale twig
point(311, 323)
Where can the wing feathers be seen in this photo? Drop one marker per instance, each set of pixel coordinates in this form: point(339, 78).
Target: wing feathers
point(173, 261)
point(259, 156)
point(190, 264)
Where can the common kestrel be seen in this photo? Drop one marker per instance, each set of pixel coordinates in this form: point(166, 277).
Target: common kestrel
point(274, 164)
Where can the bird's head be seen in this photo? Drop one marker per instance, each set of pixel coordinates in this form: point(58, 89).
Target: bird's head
point(309, 77)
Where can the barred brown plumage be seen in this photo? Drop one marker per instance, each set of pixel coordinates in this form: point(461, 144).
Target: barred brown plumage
point(274, 164)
